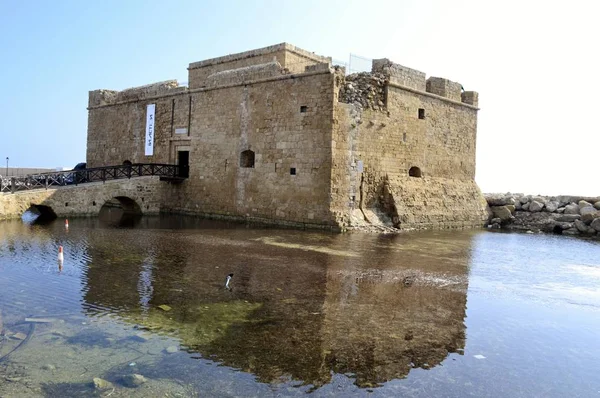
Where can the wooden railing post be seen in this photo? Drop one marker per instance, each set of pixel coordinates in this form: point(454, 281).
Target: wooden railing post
point(13, 185)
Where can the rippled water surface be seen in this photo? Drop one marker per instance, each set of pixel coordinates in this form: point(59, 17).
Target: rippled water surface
point(448, 314)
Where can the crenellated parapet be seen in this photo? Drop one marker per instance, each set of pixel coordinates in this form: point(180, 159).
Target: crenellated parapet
point(416, 80)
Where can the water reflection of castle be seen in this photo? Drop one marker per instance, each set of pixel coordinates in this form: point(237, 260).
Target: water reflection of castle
point(292, 313)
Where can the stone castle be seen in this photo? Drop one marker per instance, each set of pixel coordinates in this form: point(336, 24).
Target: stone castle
point(279, 135)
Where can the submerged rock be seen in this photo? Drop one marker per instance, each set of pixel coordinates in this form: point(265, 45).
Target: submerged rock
point(133, 380)
point(101, 384)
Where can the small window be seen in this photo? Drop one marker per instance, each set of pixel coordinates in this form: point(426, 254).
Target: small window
point(303, 109)
point(421, 113)
point(404, 137)
point(414, 172)
point(247, 159)
point(293, 171)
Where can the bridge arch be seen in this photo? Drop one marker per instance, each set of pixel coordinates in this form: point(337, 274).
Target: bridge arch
point(38, 214)
point(125, 203)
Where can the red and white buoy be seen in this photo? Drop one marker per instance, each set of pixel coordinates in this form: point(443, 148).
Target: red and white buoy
point(66, 223)
point(61, 256)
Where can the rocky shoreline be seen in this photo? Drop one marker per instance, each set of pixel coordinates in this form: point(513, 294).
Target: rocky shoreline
point(566, 215)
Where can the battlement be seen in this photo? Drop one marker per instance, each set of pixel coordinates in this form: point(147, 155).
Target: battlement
point(108, 97)
point(416, 80)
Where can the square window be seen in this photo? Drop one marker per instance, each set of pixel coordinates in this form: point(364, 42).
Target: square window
point(303, 109)
point(421, 113)
point(293, 171)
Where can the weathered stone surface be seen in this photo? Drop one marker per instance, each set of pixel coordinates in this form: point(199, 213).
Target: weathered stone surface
point(569, 217)
point(524, 199)
point(584, 203)
point(596, 224)
point(597, 205)
point(571, 231)
point(511, 208)
point(540, 199)
point(571, 209)
point(536, 206)
point(551, 206)
point(588, 214)
point(525, 207)
point(580, 225)
point(560, 210)
point(502, 212)
point(86, 199)
point(496, 221)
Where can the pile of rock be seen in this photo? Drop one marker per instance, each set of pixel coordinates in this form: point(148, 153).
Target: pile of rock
point(558, 214)
point(365, 90)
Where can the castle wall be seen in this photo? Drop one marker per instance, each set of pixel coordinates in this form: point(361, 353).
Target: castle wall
point(285, 121)
point(324, 145)
point(265, 118)
point(432, 131)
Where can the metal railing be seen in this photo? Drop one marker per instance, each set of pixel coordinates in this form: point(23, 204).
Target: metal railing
point(96, 174)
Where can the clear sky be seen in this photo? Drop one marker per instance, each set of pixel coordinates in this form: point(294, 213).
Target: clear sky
point(534, 63)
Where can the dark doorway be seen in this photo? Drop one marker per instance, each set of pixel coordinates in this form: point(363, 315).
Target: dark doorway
point(183, 160)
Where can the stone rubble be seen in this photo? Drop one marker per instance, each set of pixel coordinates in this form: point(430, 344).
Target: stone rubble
point(365, 90)
point(568, 215)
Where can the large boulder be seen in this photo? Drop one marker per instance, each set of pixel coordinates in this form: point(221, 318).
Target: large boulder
point(596, 224)
point(588, 214)
point(536, 206)
point(581, 227)
point(584, 203)
point(551, 206)
point(572, 209)
point(597, 205)
point(501, 212)
point(524, 199)
point(512, 208)
point(500, 200)
point(568, 217)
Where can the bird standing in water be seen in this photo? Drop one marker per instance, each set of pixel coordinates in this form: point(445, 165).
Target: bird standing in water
point(228, 280)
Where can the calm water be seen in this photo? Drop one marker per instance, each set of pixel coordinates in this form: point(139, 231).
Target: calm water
point(450, 314)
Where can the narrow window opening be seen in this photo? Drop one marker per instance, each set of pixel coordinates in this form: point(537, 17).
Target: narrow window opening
point(303, 109)
point(94, 203)
point(404, 137)
point(293, 171)
point(66, 204)
point(421, 113)
point(247, 159)
point(414, 172)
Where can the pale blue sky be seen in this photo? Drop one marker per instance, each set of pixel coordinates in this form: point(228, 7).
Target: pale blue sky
point(534, 64)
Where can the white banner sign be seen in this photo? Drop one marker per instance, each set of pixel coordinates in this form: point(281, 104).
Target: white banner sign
point(149, 145)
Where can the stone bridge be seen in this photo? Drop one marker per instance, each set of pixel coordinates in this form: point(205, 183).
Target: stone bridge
point(137, 195)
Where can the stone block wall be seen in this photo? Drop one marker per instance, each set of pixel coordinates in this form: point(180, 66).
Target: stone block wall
point(444, 88)
point(287, 124)
point(434, 134)
point(399, 74)
point(294, 59)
